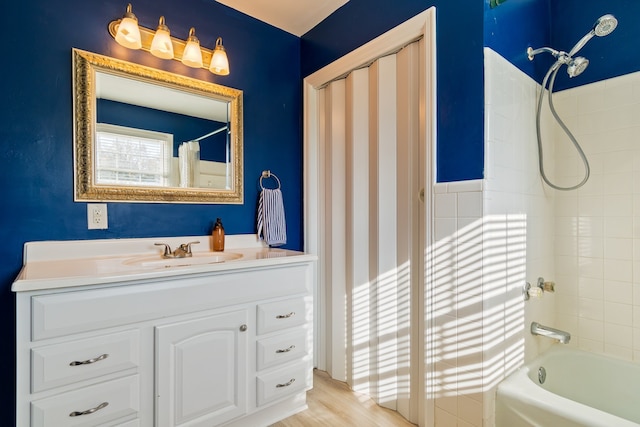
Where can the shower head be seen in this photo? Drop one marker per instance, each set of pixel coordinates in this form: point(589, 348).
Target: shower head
point(577, 66)
point(605, 25)
point(602, 27)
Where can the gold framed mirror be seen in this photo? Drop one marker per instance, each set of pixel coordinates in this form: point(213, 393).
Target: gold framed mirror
point(147, 135)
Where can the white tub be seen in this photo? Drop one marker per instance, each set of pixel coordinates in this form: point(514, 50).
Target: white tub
point(581, 389)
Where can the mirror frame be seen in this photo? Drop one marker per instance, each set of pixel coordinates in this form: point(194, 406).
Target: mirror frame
point(85, 66)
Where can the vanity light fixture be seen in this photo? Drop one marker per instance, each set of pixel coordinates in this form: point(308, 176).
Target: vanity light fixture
point(160, 43)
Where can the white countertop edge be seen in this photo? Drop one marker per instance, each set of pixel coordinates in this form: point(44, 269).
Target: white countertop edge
point(25, 285)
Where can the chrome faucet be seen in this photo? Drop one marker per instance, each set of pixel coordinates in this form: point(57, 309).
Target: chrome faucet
point(182, 251)
point(546, 331)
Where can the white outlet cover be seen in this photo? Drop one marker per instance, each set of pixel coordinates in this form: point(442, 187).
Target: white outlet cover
point(97, 218)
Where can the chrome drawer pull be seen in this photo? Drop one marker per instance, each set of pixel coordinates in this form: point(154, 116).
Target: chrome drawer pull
point(89, 411)
point(90, 361)
point(291, 381)
point(286, 316)
point(286, 350)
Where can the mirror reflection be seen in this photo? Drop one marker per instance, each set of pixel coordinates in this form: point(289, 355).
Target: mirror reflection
point(155, 136)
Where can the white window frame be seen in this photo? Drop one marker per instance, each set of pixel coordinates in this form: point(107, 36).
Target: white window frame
point(166, 139)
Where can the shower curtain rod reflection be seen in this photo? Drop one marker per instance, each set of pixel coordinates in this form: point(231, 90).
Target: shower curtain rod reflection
point(210, 134)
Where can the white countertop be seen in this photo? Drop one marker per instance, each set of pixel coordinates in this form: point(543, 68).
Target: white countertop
point(60, 264)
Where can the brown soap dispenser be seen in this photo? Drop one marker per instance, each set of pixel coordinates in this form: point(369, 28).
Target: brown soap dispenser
point(218, 236)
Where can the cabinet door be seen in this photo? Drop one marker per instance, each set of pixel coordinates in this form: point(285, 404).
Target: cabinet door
point(201, 370)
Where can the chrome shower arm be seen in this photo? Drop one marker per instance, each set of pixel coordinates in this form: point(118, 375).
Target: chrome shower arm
point(531, 52)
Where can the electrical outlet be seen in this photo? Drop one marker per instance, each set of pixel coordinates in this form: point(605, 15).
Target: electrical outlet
point(97, 216)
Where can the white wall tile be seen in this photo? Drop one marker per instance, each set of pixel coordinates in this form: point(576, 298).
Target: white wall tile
point(591, 329)
point(619, 270)
point(619, 314)
point(618, 226)
point(470, 204)
point(618, 203)
point(445, 205)
point(591, 309)
point(617, 248)
point(618, 335)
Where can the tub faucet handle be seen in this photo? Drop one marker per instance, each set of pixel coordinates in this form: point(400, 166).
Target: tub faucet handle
point(546, 286)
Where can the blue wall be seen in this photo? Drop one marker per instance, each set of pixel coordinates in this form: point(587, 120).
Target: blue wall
point(460, 75)
point(36, 169)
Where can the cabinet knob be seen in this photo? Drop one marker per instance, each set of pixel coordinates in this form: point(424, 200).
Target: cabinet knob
point(243, 328)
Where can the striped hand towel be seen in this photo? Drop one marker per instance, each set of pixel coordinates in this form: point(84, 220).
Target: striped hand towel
point(272, 227)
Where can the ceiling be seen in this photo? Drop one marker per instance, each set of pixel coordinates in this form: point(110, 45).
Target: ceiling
point(293, 16)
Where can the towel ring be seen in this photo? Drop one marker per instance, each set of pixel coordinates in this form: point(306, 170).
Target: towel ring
point(268, 174)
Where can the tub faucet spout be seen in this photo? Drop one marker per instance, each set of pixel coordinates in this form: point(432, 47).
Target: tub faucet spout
point(546, 331)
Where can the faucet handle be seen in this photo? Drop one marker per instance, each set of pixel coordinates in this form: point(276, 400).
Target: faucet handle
point(187, 246)
point(167, 249)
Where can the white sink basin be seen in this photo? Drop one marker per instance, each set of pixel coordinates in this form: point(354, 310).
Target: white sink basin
point(198, 258)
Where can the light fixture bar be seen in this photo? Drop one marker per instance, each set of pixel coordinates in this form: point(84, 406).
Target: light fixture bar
point(146, 35)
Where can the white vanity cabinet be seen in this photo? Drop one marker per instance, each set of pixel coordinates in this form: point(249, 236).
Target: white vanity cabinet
point(228, 347)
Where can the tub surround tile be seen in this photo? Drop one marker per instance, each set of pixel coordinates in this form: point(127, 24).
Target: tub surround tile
point(617, 269)
point(608, 214)
point(619, 336)
point(591, 329)
point(590, 309)
point(618, 314)
point(590, 345)
point(620, 292)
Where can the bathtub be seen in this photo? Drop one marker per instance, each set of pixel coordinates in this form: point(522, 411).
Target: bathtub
point(580, 389)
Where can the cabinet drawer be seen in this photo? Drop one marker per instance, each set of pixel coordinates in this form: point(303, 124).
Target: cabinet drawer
point(282, 348)
point(283, 383)
point(113, 403)
point(69, 362)
point(278, 315)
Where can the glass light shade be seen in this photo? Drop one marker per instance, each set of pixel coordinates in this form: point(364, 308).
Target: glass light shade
point(128, 34)
point(192, 55)
point(219, 61)
point(161, 45)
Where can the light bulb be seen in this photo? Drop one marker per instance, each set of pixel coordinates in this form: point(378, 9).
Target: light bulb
point(192, 55)
point(161, 45)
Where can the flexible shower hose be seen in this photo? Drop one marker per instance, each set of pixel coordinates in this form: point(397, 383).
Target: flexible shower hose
point(552, 72)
